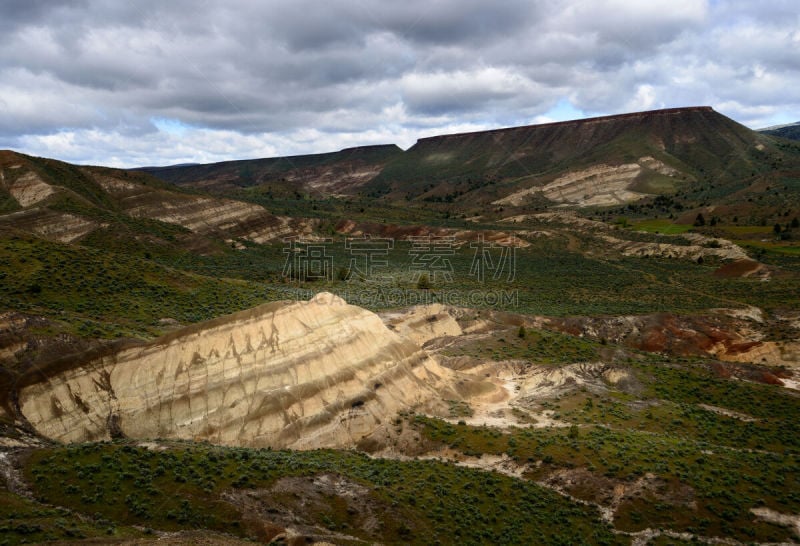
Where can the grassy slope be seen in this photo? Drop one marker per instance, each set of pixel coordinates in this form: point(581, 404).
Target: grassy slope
point(98, 293)
point(7, 203)
point(729, 465)
point(23, 521)
point(535, 345)
point(120, 281)
point(549, 280)
point(432, 503)
point(726, 467)
point(122, 286)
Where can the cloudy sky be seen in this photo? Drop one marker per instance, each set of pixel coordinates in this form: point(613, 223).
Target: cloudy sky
point(139, 82)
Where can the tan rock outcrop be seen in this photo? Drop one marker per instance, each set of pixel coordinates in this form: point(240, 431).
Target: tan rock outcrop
point(701, 246)
point(29, 189)
point(227, 218)
point(772, 353)
point(302, 375)
point(423, 323)
point(207, 215)
point(725, 249)
point(599, 185)
point(50, 224)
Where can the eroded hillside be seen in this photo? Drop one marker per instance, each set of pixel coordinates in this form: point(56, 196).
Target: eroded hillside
point(332, 173)
point(65, 203)
point(312, 374)
point(575, 419)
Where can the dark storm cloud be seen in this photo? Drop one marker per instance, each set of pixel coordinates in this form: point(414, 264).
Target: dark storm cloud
point(21, 12)
point(91, 80)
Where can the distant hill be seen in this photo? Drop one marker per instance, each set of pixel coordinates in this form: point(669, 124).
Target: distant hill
point(790, 131)
point(599, 161)
point(65, 203)
point(328, 173)
point(692, 154)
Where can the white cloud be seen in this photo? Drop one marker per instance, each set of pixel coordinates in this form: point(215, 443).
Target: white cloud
point(82, 79)
point(645, 99)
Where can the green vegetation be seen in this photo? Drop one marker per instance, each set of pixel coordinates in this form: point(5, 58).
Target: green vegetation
point(23, 521)
point(126, 291)
point(459, 408)
point(102, 294)
point(692, 401)
point(662, 226)
point(420, 502)
point(703, 449)
point(534, 345)
point(726, 482)
point(7, 203)
point(357, 209)
point(690, 450)
point(791, 132)
point(770, 247)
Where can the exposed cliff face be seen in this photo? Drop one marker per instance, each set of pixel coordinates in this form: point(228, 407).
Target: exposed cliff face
point(301, 375)
point(205, 215)
point(50, 224)
point(29, 189)
point(600, 185)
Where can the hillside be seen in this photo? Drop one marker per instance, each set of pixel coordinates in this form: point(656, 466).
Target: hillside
point(64, 202)
point(597, 162)
point(307, 374)
point(320, 174)
point(537, 436)
point(790, 131)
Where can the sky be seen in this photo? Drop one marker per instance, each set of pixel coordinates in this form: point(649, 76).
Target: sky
point(141, 82)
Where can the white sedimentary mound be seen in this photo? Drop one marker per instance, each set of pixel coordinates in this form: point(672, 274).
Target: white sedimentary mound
point(29, 189)
point(50, 224)
point(302, 375)
point(609, 238)
point(201, 214)
point(726, 249)
point(599, 185)
point(423, 323)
